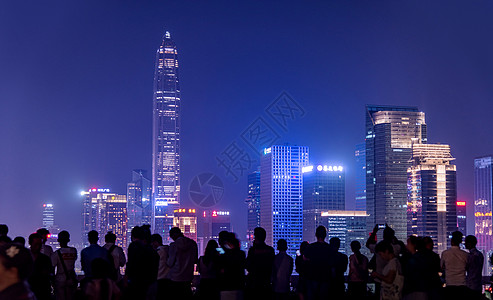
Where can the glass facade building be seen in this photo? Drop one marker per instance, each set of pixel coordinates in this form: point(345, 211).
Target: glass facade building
point(483, 196)
point(432, 194)
point(346, 225)
point(281, 194)
point(213, 222)
point(166, 137)
point(139, 205)
point(324, 188)
point(390, 131)
point(186, 220)
point(48, 215)
point(360, 157)
point(253, 204)
point(462, 217)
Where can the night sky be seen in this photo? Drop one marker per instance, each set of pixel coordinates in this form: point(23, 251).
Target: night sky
point(76, 88)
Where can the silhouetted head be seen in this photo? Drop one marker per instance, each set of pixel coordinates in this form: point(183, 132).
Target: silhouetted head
point(137, 234)
point(321, 232)
point(63, 237)
point(260, 234)
point(4, 230)
point(335, 243)
point(93, 237)
point(5, 239)
point(156, 241)
point(146, 229)
point(110, 237)
point(456, 238)
point(471, 241)
point(385, 250)
point(355, 246)
point(282, 245)
point(20, 240)
point(16, 261)
point(223, 235)
point(412, 243)
point(36, 242)
point(175, 233)
point(428, 243)
point(388, 233)
point(211, 247)
point(44, 234)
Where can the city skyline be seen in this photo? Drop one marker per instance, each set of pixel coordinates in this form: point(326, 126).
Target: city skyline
point(407, 65)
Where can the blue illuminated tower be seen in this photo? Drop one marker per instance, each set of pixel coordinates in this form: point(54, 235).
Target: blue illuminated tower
point(166, 137)
point(281, 194)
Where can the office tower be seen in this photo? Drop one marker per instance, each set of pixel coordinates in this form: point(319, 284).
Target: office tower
point(166, 137)
point(390, 131)
point(432, 194)
point(139, 205)
point(462, 217)
point(213, 222)
point(323, 189)
point(346, 225)
point(360, 156)
point(186, 220)
point(483, 196)
point(48, 216)
point(253, 204)
point(104, 211)
point(281, 194)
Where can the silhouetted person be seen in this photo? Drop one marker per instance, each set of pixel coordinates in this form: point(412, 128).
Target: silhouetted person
point(90, 253)
point(391, 287)
point(414, 269)
point(40, 277)
point(431, 274)
point(45, 249)
point(259, 266)
point(16, 265)
point(142, 264)
point(282, 270)
point(474, 268)
point(4, 230)
point(63, 260)
point(101, 286)
point(163, 282)
point(358, 272)
point(20, 240)
point(208, 269)
point(318, 257)
point(182, 257)
point(301, 269)
point(339, 267)
point(116, 257)
point(231, 265)
point(453, 263)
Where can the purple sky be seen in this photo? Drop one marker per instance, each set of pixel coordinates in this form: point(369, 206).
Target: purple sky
point(76, 87)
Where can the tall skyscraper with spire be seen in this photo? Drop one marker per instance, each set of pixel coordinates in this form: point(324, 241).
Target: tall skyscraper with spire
point(166, 137)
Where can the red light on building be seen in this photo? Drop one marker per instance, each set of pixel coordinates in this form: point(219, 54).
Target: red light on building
point(461, 203)
point(214, 213)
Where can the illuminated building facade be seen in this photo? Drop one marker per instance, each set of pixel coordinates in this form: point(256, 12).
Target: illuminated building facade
point(104, 211)
point(253, 204)
point(139, 204)
point(483, 196)
point(186, 220)
point(213, 222)
point(346, 225)
point(323, 189)
point(390, 131)
point(360, 156)
point(281, 194)
point(48, 215)
point(432, 194)
point(462, 217)
point(166, 137)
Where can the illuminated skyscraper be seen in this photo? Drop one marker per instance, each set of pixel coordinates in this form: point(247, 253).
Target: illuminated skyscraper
point(390, 131)
point(281, 194)
point(324, 188)
point(347, 225)
point(360, 156)
point(48, 215)
point(186, 220)
point(139, 206)
point(462, 217)
point(104, 211)
point(253, 203)
point(166, 137)
point(483, 196)
point(432, 194)
point(213, 222)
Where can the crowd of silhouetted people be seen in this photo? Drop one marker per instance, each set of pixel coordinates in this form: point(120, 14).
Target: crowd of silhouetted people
point(155, 271)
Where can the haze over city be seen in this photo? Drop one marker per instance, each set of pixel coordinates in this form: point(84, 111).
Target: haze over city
point(76, 89)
